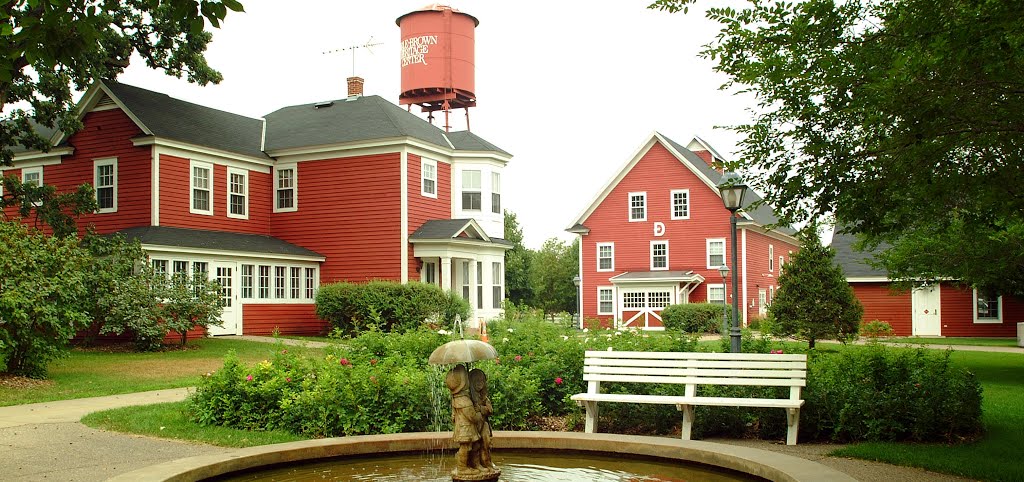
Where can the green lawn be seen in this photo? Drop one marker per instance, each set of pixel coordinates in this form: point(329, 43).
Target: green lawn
point(953, 341)
point(93, 373)
point(995, 456)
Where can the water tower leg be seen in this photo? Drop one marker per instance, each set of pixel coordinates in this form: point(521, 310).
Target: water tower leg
point(467, 118)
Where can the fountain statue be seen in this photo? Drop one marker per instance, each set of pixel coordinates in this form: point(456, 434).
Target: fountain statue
point(471, 409)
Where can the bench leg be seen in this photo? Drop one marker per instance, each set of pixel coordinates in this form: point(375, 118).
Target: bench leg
point(793, 420)
point(687, 420)
point(591, 417)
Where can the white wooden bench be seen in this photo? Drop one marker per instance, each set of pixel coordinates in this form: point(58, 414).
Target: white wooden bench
point(694, 369)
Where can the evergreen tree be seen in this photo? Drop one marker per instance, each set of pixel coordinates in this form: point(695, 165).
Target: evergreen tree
point(517, 262)
point(814, 301)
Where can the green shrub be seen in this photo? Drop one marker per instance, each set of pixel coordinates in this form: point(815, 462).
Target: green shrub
point(875, 329)
point(694, 317)
point(386, 305)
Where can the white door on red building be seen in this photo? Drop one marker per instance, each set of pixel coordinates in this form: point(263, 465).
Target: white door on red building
point(224, 275)
point(926, 318)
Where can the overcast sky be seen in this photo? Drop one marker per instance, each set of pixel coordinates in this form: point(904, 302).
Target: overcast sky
point(570, 88)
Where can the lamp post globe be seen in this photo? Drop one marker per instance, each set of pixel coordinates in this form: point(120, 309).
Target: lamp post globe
point(733, 189)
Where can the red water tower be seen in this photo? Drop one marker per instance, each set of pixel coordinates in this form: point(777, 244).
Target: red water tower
point(437, 59)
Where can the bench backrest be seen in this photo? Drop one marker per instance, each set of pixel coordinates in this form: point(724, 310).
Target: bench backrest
point(692, 369)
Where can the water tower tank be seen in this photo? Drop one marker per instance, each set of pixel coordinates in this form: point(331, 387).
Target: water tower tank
point(438, 58)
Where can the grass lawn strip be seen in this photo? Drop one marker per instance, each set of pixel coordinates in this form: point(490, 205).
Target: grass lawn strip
point(1011, 342)
point(94, 373)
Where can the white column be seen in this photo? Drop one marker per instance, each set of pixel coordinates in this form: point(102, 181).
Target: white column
point(446, 274)
point(472, 285)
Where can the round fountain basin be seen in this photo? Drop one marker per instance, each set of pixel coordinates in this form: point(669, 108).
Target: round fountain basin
point(562, 445)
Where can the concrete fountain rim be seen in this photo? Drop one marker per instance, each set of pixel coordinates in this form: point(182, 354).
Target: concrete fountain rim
point(762, 463)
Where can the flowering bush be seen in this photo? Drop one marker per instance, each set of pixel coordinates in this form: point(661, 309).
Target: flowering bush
point(875, 329)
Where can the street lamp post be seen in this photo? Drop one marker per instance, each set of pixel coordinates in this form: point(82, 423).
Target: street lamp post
point(576, 280)
point(732, 190)
point(724, 271)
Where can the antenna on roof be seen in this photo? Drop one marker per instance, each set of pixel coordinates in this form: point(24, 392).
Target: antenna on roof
point(352, 48)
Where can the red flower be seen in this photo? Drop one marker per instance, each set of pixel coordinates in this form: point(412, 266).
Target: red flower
point(373, 361)
point(288, 379)
point(248, 378)
point(344, 362)
point(519, 358)
point(558, 380)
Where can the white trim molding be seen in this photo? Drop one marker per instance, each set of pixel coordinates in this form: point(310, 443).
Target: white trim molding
point(611, 257)
point(988, 320)
point(659, 268)
point(686, 203)
point(294, 168)
point(707, 252)
point(611, 300)
point(193, 187)
point(111, 177)
point(424, 164)
point(629, 206)
point(229, 192)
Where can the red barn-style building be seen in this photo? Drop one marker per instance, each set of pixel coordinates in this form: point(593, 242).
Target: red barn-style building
point(658, 232)
point(352, 189)
point(942, 309)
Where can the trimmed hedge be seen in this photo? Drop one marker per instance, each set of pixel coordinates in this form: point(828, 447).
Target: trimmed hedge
point(386, 306)
point(694, 317)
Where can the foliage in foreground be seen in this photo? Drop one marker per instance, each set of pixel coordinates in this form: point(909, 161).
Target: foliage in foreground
point(380, 383)
point(696, 317)
point(387, 306)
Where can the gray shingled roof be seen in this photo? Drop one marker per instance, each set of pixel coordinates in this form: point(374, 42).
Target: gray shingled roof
point(853, 262)
point(178, 120)
point(653, 275)
point(363, 118)
point(762, 215)
point(447, 229)
point(219, 240)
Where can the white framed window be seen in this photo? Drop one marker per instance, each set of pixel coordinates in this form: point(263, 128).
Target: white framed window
point(495, 193)
point(716, 293)
point(771, 258)
point(310, 283)
point(294, 287)
point(264, 282)
point(238, 193)
point(771, 293)
point(160, 267)
point(286, 188)
point(659, 255)
point(247, 281)
point(104, 180)
point(428, 178)
point(430, 273)
point(780, 265)
point(680, 203)
point(33, 175)
point(465, 280)
point(638, 206)
point(497, 293)
point(479, 285)
point(988, 307)
point(634, 300)
point(605, 300)
point(659, 299)
point(471, 191)
point(716, 252)
point(201, 192)
point(280, 282)
point(606, 256)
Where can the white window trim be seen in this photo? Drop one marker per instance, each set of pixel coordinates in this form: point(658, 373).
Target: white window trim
point(771, 258)
point(629, 207)
point(612, 290)
point(672, 203)
point(96, 163)
point(986, 321)
point(780, 264)
point(495, 189)
point(479, 189)
point(665, 242)
point(192, 165)
point(245, 192)
point(707, 252)
point(295, 188)
point(725, 295)
point(426, 162)
point(598, 248)
point(39, 170)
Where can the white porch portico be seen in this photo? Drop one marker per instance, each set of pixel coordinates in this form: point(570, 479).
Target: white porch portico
point(457, 255)
point(641, 295)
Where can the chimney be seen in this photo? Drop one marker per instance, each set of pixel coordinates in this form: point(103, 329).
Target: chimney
point(355, 87)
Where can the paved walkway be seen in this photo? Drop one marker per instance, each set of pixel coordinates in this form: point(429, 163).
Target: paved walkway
point(45, 441)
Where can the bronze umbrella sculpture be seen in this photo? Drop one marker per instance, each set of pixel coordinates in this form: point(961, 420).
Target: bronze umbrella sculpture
point(471, 408)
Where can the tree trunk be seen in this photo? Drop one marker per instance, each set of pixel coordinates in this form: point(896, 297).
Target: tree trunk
point(810, 344)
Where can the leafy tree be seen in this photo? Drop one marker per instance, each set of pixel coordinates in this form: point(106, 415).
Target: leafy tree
point(42, 285)
point(814, 301)
point(904, 118)
point(51, 46)
point(114, 261)
point(190, 303)
point(551, 274)
point(517, 262)
point(45, 206)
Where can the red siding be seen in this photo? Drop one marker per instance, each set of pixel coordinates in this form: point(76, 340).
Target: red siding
point(106, 134)
point(423, 208)
point(758, 275)
point(958, 314)
point(882, 303)
point(349, 210)
point(657, 173)
point(288, 319)
point(174, 199)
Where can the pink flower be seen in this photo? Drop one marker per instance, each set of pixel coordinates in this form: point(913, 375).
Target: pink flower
point(288, 379)
point(776, 352)
point(344, 362)
point(284, 352)
point(519, 358)
point(558, 380)
point(248, 378)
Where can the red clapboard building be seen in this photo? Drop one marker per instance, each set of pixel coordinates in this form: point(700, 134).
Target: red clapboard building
point(352, 189)
point(940, 309)
point(658, 232)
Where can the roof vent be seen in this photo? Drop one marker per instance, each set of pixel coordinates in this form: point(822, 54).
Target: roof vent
point(321, 105)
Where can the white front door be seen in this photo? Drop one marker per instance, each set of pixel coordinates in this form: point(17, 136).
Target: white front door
point(926, 320)
point(762, 301)
point(224, 275)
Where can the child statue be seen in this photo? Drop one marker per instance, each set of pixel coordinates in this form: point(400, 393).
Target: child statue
point(482, 403)
point(465, 424)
